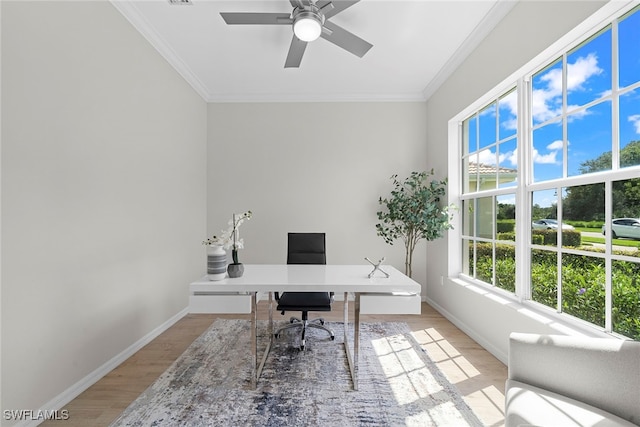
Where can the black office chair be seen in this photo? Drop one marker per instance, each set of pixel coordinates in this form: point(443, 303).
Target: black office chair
point(305, 248)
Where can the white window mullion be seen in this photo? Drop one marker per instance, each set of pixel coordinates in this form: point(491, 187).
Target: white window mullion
point(565, 138)
point(454, 192)
point(523, 202)
point(559, 246)
point(608, 214)
point(615, 102)
point(608, 185)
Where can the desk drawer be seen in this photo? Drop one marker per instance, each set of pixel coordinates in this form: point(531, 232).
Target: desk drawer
point(390, 304)
point(220, 303)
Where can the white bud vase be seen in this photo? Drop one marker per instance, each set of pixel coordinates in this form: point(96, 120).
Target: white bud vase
point(216, 262)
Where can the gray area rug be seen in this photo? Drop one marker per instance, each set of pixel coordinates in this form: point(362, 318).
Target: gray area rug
point(209, 384)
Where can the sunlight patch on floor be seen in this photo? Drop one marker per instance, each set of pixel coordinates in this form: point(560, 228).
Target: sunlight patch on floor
point(410, 379)
point(455, 366)
point(408, 376)
point(488, 405)
point(440, 415)
point(487, 402)
point(457, 369)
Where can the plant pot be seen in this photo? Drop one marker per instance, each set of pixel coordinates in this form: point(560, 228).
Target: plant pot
point(235, 269)
point(216, 262)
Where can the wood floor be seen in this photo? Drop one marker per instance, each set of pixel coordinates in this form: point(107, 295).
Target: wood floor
point(479, 376)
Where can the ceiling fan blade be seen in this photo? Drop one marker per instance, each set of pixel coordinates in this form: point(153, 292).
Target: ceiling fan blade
point(297, 3)
point(345, 39)
point(296, 50)
point(338, 6)
point(249, 18)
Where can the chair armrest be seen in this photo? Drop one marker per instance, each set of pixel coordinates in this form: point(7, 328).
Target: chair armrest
point(601, 372)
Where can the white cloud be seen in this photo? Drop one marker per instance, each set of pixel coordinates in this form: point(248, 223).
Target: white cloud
point(547, 101)
point(549, 158)
point(511, 124)
point(581, 70)
point(605, 93)
point(579, 115)
point(545, 105)
point(487, 157)
point(555, 145)
point(511, 157)
point(635, 120)
point(509, 103)
point(553, 78)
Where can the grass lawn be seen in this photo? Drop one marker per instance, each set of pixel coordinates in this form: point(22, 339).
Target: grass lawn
point(618, 242)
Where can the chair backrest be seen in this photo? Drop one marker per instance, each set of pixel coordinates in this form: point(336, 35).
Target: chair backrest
point(306, 248)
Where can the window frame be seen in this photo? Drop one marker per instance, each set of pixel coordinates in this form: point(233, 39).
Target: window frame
point(522, 81)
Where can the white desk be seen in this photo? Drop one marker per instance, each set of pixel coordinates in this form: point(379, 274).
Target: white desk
point(397, 294)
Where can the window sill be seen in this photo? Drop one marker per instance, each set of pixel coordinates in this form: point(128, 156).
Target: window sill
point(562, 324)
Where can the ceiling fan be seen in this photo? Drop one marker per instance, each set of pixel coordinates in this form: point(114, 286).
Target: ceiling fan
point(310, 20)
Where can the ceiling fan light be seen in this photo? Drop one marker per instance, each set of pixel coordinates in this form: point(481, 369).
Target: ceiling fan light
point(307, 28)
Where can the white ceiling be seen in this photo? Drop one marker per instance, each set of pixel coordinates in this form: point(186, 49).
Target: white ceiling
point(416, 44)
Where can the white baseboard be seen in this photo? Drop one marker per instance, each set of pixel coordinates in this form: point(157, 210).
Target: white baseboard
point(469, 331)
point(74, 391)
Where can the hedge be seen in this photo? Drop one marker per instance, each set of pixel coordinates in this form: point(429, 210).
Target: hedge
point(583, 283)
point(550, 237)
point(505, 225)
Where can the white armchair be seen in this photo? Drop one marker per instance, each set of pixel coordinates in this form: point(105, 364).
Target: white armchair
point(557, 380)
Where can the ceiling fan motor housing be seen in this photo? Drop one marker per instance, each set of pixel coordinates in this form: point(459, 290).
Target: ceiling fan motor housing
point(307, 22)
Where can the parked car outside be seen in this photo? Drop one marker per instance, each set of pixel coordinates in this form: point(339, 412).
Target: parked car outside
point(549, 224)
point(624, 227)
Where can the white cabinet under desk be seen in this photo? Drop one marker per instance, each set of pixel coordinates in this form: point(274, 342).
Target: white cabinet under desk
point(220, 302)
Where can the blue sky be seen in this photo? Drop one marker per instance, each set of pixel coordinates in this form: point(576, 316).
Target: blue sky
point(589, 131)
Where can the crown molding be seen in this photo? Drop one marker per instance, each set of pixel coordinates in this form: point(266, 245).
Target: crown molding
point(314, 97)
point(488, 23)
point(133, 15)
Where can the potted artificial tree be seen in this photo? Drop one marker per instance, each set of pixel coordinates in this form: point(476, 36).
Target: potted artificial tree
point(414, 211)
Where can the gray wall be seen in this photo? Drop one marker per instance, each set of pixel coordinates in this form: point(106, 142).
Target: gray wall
point(313, 167)
point(526, 31)
point(103, 193)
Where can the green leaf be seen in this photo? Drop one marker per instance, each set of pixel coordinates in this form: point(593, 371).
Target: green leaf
point(414, 211)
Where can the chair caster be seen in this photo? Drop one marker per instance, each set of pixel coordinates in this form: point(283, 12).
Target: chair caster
point(333, 338)
point(276, 336)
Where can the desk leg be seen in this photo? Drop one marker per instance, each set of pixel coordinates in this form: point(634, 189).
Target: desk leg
point(254, 340)
point(353, 362)
point(356, 338)
point(346, 319)
point(270, 316)
point(257, 369)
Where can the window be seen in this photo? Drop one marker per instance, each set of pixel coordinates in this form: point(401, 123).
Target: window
point(571, 158)
point(490, 169)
